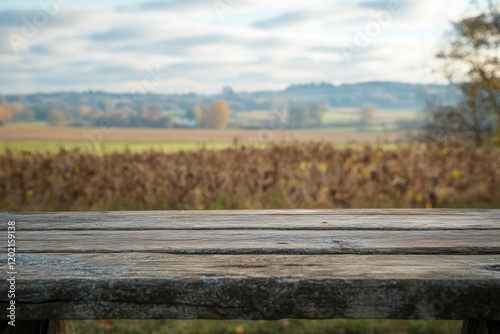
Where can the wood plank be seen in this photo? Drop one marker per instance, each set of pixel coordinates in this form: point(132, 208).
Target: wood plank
point(54, 266)
point(152, 285)
point(262, 241)
point(160, 265)
point(402, 219)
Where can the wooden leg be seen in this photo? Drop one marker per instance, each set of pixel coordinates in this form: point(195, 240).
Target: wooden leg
point(61, 326)
point(41, 327)
point(480, 327)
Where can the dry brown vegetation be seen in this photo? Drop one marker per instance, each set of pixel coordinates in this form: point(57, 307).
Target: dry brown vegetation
point(286, 176)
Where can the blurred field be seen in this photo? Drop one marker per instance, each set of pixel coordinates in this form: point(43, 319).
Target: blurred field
point(281, 176)
point(108, 147)
point(335, 116)
point(388, 116)
point(289, 326)
point(95, 136)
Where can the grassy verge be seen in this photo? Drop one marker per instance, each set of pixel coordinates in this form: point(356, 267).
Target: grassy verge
point(36, 124)
point(107, 147)
point(289, 326)
point(144, 146)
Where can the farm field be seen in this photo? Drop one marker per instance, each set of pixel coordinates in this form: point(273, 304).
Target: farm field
point(108, 147)
point(23, 138)
point(13, 133)
point(389, 116)
point(310, 176)
point(338, 116)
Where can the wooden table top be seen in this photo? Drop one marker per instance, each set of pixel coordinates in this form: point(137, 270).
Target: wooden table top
point(398, 264)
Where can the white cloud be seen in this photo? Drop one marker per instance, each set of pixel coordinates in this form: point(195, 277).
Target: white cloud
point(255, 45)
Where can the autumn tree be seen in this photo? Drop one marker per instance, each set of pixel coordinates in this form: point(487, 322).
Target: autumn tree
point(472, 62)
point(5, 115)
point(3, 118)
point(56, 117)
point(195, 114)
point(16, 108)
point(217, 116)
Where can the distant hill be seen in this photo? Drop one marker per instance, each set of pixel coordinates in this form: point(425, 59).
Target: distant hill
point(383, 94)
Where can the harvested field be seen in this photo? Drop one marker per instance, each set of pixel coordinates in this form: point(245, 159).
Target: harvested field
point(18, 133)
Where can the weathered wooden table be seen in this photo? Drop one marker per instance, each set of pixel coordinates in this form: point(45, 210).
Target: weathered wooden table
point(394, 264)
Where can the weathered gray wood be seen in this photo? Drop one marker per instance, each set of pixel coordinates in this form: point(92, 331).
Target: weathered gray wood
point(257, 264)
point(265, 219)
point(263, 241)
point(109, 266)
point(152, 285)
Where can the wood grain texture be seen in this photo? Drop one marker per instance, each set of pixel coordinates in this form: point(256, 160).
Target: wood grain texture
point(152, 285)
point(262, 241)
point(404, 264)
point(371, 219)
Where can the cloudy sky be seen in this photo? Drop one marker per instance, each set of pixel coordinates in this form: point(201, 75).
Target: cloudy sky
point(203, 45)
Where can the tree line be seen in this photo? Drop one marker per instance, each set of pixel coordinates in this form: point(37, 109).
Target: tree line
point(215, 116)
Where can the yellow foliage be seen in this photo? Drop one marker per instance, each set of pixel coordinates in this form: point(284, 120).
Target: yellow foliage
point(496, 140)
point(5, 115)
point(16, 108)
point(197, 114)
point(29, 194)
point(418, 198)
point(239, 330)
point(217, 116)
point(322, 167)
point(455, 173)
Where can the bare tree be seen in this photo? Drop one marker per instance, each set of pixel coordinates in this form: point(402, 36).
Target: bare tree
point(471, 61)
